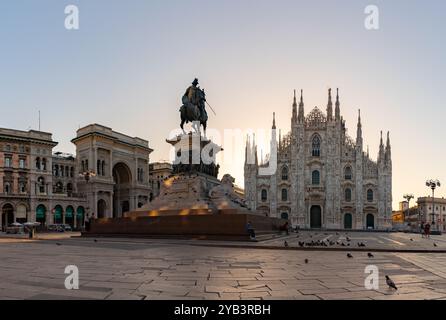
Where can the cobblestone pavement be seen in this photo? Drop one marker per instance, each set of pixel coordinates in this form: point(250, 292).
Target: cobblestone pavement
point(165, 269)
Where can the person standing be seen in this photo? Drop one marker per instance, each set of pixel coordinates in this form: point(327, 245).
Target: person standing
point(87, 223)
point(422, 229)
point(250, 230)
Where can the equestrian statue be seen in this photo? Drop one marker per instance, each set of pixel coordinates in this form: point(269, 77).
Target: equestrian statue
point(193, 108)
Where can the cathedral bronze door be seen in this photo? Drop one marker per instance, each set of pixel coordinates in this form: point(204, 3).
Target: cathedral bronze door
point(370, 221)
point(348, 221)
point(315, 217)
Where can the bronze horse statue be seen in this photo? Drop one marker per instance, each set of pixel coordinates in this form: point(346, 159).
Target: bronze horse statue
point(191, 112)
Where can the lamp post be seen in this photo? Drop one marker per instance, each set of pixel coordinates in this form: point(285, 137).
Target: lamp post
point(433, 184)
point(408, 197)
point(87, 175)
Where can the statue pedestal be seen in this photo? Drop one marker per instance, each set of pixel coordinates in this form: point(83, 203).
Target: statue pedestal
point(192, 202)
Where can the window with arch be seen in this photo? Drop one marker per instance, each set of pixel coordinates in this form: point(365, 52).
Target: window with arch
point(316, 146)
point(348, 195)
point(8, 162)
point(98, 167)
point(369, 195)
point(41, 184)
point(348, 173)
point(69, 188)
point(22, 187)
point(284, 173)
point(7, 187)
point(59, 187)
point(315, 178)
point(284, 195)
point(264, 195)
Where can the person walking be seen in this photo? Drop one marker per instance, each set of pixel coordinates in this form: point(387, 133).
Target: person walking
point(422, 229)
point(427, 230)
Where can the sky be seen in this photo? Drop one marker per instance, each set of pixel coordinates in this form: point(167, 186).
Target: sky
point(130, 62)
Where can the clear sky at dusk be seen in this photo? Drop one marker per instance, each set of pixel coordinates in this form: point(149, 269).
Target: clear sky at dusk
point(131, 61)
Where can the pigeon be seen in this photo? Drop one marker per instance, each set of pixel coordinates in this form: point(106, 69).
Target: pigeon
point(390, 283)
point(301, 243)
point(370, 255)
point(435, 244)
point(411, 239)
point(343, 244)
point(349, 255)
point(58, 244)
point(348, 239)
point(285, 244)
point(306, 260)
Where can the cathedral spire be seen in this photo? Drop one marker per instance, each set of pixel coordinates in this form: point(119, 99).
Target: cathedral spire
point(294, 118)
point(337, 106)
point(280, 139)
point(247, 149)
point(388, 149)
point(359, 129)
point(329, 107)
point(254, 149)
point(274, 121)
point(381, 148)
point(301, 117)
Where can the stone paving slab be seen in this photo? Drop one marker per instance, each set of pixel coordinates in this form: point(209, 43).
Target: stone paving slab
point(166, 270)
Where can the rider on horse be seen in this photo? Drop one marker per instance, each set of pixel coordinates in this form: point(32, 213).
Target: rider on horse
point(194, 97)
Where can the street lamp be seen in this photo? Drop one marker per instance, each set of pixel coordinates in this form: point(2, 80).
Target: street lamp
point(87, 175)
point(433, 184)
point(408, 197)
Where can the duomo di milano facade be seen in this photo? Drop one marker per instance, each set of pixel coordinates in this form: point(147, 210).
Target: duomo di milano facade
point(324, 179)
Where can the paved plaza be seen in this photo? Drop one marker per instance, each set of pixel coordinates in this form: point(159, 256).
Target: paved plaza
point(194, 269)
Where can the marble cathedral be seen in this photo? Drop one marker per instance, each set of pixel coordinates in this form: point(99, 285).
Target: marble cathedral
point(323, 179)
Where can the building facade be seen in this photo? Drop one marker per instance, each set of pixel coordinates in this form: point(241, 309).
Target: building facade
point(117, 168)
point(323, 179)
point(158, 172)
point(30, 187)
point(433, 212)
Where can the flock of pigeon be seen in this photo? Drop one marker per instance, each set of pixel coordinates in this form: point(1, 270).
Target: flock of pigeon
point(347, 243)
point(326, 242)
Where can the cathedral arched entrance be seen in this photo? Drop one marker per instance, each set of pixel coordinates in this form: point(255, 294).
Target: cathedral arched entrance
point(348, 221)
point(370, 221)
point(122, 177)
point(284, 215)
point(315, 217)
